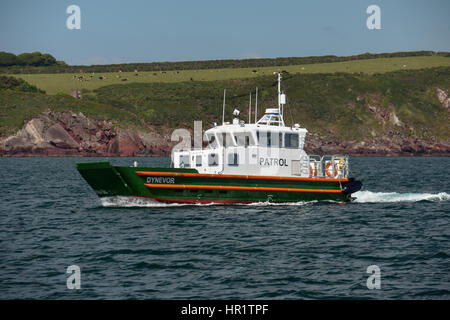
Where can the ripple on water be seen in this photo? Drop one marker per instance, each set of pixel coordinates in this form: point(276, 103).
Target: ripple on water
point(136, 248)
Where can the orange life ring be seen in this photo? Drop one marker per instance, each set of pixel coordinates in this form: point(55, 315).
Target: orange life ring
point(327, 171)
point(312, 170)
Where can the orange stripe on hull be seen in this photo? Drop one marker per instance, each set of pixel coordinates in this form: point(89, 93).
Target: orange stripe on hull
point(232, 176)
point(199, 187)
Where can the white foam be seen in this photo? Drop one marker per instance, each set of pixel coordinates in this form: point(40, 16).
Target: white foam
point(130, 202)
point(361, 197)
point(266, 203)
point(369, 196)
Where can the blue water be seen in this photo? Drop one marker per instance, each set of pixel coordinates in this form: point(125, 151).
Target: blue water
point(51, 219)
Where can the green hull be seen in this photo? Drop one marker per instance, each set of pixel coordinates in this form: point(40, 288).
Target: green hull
point(187, 186)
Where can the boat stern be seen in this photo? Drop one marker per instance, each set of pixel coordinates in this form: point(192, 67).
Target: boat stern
point(351, 186)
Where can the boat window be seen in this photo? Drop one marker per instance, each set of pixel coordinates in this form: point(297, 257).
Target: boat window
point(225, 139)
point(269, 139)
point(276, 139)
point(291, 140)
point(198, 161)
point(263, 138)
point(213, 160)
point(233, 159)
point(243, 139)
point(212, 141)
point(184, 161)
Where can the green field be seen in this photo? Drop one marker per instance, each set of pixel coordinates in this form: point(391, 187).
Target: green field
point(55, 83)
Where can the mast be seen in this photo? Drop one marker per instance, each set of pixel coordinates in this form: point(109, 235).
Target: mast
point(256, 105)
point(223, 112)
point(273, 116)
point(250, 109)
point(279, 92)
point(281, 100)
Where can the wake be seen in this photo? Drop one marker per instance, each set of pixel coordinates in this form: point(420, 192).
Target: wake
point(135, 202)
point(374, 197)
point(361, 197)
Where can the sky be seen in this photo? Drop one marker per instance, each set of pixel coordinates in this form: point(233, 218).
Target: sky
point(119, 31)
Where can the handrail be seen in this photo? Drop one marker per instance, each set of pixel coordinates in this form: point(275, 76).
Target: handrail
point(329, 166)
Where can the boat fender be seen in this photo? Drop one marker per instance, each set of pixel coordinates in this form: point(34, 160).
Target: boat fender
point(312, 170)
point(327, 169)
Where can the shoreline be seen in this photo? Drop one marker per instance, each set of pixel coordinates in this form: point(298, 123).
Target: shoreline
point(442, 155)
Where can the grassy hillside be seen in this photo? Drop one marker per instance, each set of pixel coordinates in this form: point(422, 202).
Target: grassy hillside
point(16, 107)
point(375, 106)
point(64, 82)
point(339, 106)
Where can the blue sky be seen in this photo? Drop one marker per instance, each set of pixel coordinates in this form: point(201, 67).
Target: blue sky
point(114, 31)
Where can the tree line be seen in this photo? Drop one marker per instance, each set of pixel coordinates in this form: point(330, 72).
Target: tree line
point(34, 59)
point(44, 63)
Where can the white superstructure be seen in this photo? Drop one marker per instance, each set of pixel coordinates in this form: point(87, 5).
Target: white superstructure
point(264, 148)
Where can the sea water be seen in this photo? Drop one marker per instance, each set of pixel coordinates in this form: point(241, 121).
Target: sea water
point(50, 219)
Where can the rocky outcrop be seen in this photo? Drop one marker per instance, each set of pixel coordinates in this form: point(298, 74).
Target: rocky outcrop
point(394, 139)
point(404, 147)
point(390, 144)
point(74, 134)
point(444, 97)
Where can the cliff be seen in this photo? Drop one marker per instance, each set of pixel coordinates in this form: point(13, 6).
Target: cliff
point(74, 134)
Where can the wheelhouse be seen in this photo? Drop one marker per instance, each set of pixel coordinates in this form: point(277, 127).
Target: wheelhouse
point(267, 147)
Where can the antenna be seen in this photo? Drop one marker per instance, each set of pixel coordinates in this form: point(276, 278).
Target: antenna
point(250, 109)
point(281, 99)
point(279, 91)
point(223, 112)
point(256, 104)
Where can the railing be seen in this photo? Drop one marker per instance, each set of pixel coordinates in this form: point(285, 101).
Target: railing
point(336, 166)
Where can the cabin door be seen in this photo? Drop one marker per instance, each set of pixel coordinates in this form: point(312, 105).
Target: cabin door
point(295, 165)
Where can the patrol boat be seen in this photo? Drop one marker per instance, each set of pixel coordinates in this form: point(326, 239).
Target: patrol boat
point(264, 161)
